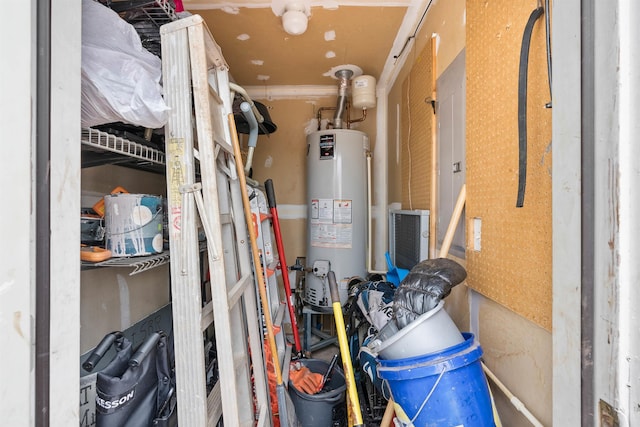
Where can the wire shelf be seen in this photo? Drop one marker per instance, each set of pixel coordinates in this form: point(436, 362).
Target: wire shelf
point(125, 152)
point(138, 263)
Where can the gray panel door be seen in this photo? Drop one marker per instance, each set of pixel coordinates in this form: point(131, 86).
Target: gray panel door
point(450, 114)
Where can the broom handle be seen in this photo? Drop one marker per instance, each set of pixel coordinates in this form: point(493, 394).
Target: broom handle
point(352, 392)
point(453, 223)
point(387, 418)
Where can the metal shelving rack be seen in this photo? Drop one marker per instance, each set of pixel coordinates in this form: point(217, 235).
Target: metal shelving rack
point(129, 150)
point(99, 148)
point(146, 16)
point(139, 264)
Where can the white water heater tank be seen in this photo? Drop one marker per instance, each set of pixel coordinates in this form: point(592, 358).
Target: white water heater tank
point(337, 212)
point(363, 92)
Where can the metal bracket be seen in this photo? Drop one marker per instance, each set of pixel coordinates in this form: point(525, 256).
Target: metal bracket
point(208, 232)
point(433, 102)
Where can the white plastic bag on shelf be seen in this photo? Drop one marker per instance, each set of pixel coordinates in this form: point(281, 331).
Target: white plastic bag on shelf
point(120, 79)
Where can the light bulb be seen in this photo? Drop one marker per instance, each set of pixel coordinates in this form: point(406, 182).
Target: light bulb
point(294, 20)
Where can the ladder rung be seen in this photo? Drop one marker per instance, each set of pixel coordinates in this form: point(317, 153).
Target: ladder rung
point(180, 24)
point(214, 408)
point(213, 90)
point(263, 420)
point(234, 295)
point(224, 168)
point(238, 289)
point(214, 54)
point(277, 321)
point(207, 316)
point(239, 359)
point(225, 145)
point(272, 267)
point(225, 219)
point(285, 365)
point(264, 216)
point(214, 405)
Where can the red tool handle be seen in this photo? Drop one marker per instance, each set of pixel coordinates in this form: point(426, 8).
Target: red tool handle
point(271, 200)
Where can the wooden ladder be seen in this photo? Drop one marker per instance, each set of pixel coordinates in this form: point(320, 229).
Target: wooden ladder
point(196, 86)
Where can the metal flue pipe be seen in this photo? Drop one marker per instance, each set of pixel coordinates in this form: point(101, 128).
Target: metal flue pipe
point(343, 93)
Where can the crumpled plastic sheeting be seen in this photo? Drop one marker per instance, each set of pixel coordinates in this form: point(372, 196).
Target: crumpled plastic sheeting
point(424, 287)
point(120, 78)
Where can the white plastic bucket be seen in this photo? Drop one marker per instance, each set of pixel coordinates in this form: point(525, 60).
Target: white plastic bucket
point(431, 332)
point(133, 224)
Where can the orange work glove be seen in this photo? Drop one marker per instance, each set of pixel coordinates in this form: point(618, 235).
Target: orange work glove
point(305, 380)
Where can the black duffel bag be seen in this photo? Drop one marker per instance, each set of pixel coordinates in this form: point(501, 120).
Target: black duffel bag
point(135, 389)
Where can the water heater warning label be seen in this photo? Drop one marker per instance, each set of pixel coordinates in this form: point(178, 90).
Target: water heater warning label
point(342, 211)
point(322, 209)
point(324, 235)
point(330, 224)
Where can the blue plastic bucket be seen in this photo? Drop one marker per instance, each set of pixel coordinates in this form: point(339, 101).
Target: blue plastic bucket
point(447, 388)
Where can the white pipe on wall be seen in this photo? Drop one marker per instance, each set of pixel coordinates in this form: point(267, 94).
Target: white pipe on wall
point(380, 189)
point(369, 220)
point(517, 403)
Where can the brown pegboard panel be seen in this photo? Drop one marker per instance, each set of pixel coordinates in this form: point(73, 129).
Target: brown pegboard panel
point(514, 265)
point(416, 133)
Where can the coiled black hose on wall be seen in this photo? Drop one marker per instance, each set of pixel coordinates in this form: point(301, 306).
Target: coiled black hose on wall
point(522, 104)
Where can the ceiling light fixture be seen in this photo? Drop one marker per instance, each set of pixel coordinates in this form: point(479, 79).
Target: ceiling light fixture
point(294, 19)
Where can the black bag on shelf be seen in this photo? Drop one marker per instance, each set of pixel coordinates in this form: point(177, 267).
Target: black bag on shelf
point(135, 389)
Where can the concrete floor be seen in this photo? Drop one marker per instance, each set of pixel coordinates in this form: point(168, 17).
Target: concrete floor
point(325, 353)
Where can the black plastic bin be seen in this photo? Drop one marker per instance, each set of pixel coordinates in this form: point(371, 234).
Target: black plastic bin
point(327, 408)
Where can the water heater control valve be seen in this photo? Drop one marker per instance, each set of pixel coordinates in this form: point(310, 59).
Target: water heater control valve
point(321, 267)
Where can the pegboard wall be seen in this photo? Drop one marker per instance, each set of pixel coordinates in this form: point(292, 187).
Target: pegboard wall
point(514, 264)
point(416, 133)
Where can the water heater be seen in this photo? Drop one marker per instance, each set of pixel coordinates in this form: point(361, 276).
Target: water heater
point(337, 212)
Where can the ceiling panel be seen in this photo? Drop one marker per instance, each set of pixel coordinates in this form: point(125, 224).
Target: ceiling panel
point(260, 52)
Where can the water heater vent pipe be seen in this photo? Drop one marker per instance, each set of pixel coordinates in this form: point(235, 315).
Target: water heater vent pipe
point(343, 92)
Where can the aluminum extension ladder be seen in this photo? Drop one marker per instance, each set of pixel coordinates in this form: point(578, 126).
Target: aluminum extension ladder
point(196, 84)
point(270, 263)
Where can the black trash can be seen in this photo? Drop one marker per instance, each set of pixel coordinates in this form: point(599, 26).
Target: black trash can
point(327, 408)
